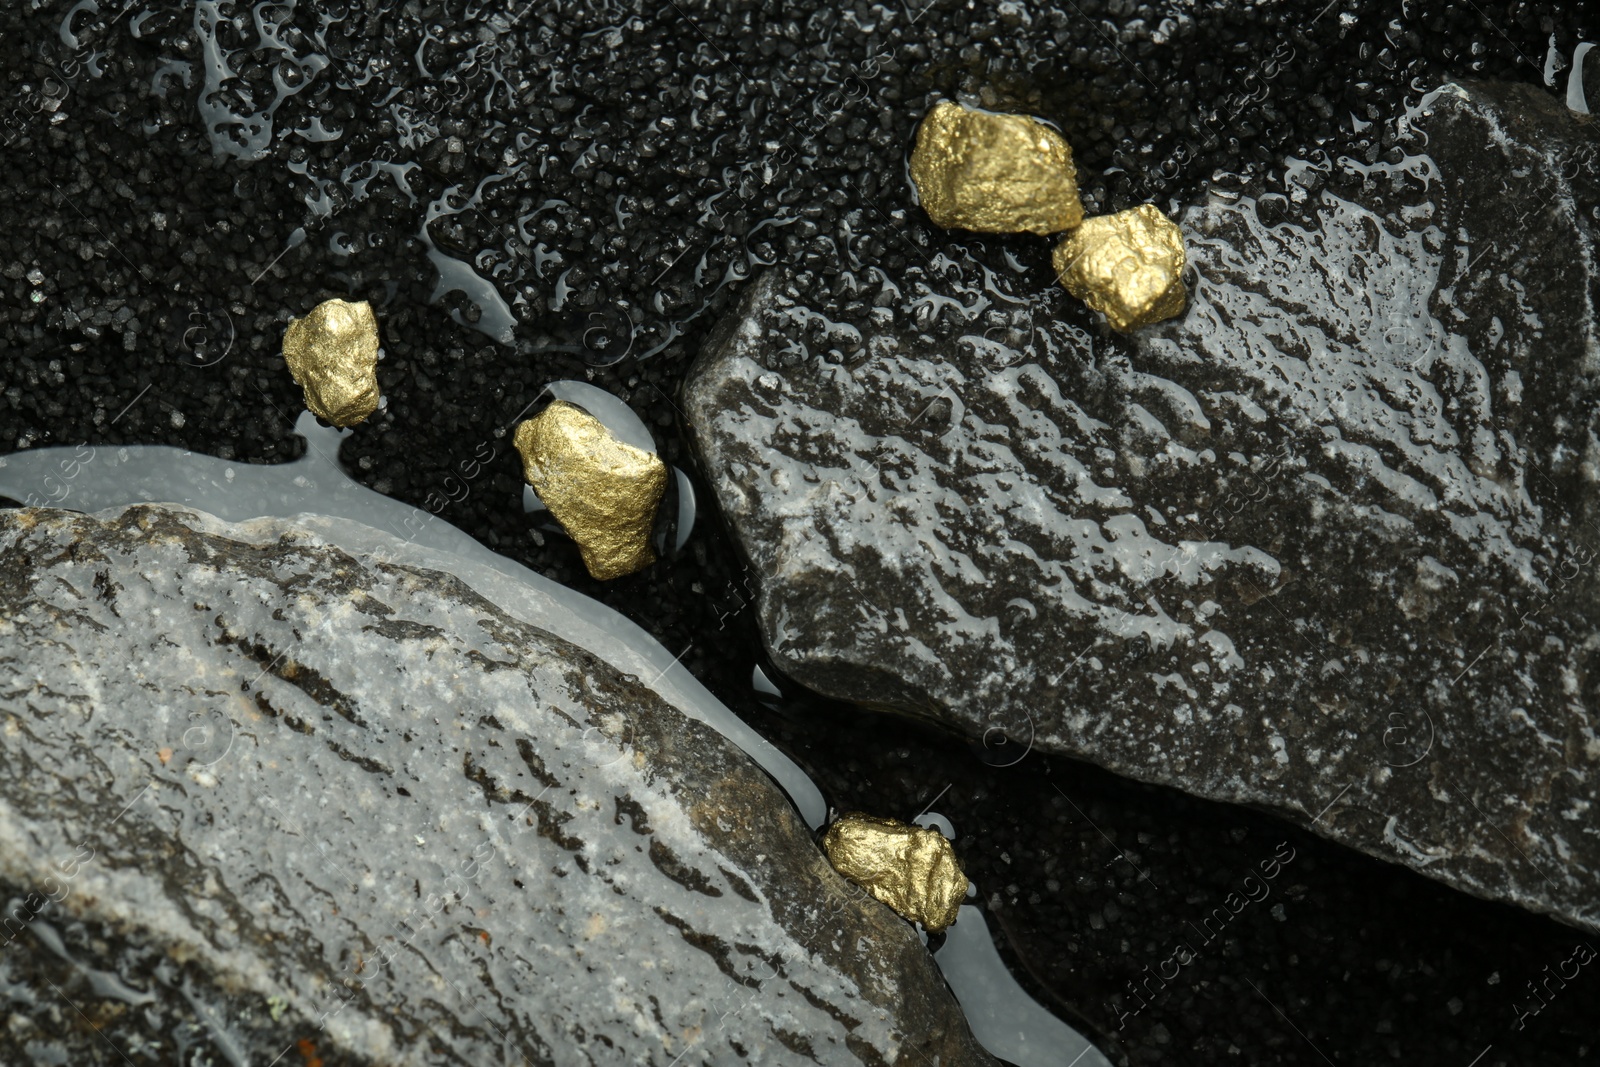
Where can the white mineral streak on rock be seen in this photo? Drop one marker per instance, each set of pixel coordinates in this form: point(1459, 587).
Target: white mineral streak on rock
point(587, 931)
point(316, 489)
point(1420, 857)
point(354, 524)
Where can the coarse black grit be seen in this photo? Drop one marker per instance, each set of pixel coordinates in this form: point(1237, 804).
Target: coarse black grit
point(619, 170)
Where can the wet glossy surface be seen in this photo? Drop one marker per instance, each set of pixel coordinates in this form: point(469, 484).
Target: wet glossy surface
point(1322, 544)
point(431, 831)
point(316, 486)
point(354, 520)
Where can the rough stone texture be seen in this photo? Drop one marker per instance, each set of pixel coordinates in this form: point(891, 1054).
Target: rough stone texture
point(281, 793)
point(1323, 544)
point(144, 245)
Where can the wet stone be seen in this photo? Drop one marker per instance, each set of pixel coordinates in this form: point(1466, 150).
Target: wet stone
point(1323, 544)
point(260, 796)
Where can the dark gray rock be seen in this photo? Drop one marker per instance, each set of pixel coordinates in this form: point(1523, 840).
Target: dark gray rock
point(1323, 545)
point(256, 790)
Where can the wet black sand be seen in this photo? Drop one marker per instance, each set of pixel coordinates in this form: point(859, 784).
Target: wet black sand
point(147, 279)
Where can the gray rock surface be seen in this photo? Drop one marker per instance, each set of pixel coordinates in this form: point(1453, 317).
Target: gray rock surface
point(1324, 544)
point(255, 790)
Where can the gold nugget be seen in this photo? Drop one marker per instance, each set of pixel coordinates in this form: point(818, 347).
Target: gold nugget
point(603, 491)
point(1128, 265)
point(976, 170)
point(911, 869)
point(333, 355)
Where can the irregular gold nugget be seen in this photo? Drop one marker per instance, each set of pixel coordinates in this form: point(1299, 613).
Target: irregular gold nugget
point(603, 491)
point(976, 170)
point(1128, 265)
point(909, 868)
point(333, 355)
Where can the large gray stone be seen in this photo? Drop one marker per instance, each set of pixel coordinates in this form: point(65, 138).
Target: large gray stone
point(1324, 544)
point(255, 789)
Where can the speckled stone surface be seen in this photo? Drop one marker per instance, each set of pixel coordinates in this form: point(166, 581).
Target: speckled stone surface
point(356, 804)
point(1324, 544)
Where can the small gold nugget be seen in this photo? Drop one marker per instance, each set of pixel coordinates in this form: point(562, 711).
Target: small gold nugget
point(975, 170)
point(333, 355)
point(1128, 265)
point(911, 869)
point(603, 491)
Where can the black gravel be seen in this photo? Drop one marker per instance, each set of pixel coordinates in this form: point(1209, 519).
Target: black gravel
point(633, 164)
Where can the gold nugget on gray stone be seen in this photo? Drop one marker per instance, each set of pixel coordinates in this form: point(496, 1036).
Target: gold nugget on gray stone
point(977, 170)
point(333, 355)
point(909, 868)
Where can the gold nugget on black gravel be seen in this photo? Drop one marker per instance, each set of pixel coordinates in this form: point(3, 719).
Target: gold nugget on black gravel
point(333, 355)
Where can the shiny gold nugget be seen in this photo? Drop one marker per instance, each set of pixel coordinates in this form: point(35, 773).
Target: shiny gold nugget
point(975, 170)
point(1128, 265)
point(909, 868)
point(333, 355)
point(603, 491)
